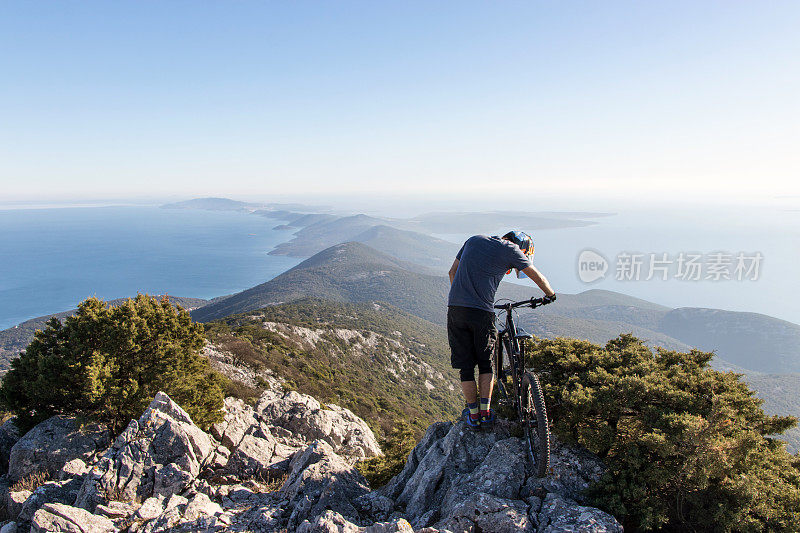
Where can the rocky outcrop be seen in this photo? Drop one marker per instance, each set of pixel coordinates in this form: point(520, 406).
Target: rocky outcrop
point(320, 480)
point(9, 435)
point(302, 417)
point(287, 465)
point(239, 418)
point(63, 492)
point(559, 514)
point(56, 517)
point(460, 480)
point(159, 454)
point(54, 442)
point(260, 441)
point(331, 521)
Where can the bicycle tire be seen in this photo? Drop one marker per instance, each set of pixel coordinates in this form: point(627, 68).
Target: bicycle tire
point(497, 363)
point(535, 413)
point(516, 378)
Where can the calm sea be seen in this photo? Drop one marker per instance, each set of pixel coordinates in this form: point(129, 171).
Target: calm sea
point(54, 258)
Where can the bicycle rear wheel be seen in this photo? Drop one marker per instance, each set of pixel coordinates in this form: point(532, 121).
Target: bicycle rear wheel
point(534, 418)
point(497, 368)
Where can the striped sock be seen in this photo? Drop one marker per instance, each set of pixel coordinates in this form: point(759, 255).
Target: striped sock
point(473, 409)
point(485, 404)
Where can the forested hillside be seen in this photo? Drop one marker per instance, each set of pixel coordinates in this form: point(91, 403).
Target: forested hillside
point(387, 366)
point(349, 272)
point(752, 340)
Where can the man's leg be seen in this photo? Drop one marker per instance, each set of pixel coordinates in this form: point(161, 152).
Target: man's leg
point(462, 357)
point(471, 396)
point(486, 381)
point(469, 390)
point(485, 338)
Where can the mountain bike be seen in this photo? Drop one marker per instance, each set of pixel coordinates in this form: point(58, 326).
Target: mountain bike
point(524, 391)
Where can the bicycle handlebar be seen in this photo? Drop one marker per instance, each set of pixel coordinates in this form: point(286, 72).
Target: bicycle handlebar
point(533, 303)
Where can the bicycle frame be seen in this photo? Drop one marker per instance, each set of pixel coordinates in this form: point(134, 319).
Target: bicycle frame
point(510, 336)
point(527, 397)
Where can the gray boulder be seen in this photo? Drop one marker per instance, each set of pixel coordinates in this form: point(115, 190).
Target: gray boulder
point(59, 518)
point(485, 512)
point(15, 500)
point(51, 492)
point(433, 435)
point(333, 522)
point(559, 514)
point(304, 420)
point(253, 458)
point(54, 442)
point(116, 511)
point(178, 514)
point(239, 418)
point(571, 472)
point(320, 480)
point(457, 465)
point(9, 435)
point(72, 469)
point(159, 454)
point(457, 479)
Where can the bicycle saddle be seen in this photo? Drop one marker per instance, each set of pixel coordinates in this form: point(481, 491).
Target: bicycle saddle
point(522, 334)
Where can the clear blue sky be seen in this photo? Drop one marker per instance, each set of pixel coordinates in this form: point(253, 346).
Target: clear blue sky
point(108, 99)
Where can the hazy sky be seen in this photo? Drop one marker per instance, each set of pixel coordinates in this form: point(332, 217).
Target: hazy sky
point(633, 99)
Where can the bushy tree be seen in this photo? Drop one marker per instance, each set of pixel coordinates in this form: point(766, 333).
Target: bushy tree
point(107, 363)
point(687, 447)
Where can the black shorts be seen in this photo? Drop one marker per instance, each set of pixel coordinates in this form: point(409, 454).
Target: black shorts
point(471, 334)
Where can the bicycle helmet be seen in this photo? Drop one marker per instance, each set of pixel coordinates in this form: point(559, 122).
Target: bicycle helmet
point(521, 239)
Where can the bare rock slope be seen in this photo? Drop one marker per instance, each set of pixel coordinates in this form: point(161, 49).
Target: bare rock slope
point(287, 464)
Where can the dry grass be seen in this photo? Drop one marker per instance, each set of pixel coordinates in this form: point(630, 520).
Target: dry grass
point(271, 482)
point(31, 482)
point(114, 494)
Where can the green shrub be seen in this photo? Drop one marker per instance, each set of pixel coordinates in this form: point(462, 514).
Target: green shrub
point(686, 446)
point(107, 363)
point(240, 390)
point(396, 449)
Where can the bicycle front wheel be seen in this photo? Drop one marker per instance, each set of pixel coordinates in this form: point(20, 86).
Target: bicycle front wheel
point(534, 418)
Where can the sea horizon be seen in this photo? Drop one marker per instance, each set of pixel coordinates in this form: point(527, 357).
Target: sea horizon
point(62, 255)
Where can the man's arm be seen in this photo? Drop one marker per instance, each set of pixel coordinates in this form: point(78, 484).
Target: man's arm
point(537, 277)
point(453, 270)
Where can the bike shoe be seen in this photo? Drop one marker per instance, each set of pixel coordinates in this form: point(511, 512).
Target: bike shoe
point(473, 422)
point(487, 419)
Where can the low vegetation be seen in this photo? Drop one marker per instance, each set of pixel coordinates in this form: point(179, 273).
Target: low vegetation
point(14, 340)
point(106, 364)
point(335, 370)
point(31, 482)
point(396, 449)
point(398, 407)
point(687, 447)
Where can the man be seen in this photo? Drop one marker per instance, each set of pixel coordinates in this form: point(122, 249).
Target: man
point(476, 272)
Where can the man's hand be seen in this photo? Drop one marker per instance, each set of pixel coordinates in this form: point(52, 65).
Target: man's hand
point(549, 299)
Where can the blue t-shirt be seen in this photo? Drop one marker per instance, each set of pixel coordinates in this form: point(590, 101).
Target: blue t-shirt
point(482, 263)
